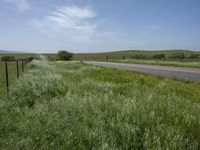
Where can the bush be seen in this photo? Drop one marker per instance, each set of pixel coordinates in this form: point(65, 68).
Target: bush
point(7, 58)
point(30, 58)
point(194, 56)
point(178, 56)
point(139, 56)
point(64, 55)
point(159, 56)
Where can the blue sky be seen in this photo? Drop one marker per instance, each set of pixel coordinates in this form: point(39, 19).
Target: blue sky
point(99, 25)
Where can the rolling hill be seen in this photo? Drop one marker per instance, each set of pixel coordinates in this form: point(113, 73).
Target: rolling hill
point(129, 53)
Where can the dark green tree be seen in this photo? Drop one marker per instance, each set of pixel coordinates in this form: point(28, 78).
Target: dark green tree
point(65, 55)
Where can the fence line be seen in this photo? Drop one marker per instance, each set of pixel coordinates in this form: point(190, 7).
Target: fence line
point(24, 62)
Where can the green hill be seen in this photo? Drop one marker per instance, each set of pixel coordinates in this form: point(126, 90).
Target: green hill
point(130, 53)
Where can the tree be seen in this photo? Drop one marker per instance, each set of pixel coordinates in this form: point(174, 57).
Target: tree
point(64, 55)
point(7, 58)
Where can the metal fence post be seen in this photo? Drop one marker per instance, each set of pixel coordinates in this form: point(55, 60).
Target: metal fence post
point(22, 65)
point(7, 82)
point(17, 69)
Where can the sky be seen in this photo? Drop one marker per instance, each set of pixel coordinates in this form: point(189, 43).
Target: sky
point(99, 25)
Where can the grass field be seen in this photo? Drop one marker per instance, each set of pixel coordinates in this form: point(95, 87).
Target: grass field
point(70, 105)
point(194, 64)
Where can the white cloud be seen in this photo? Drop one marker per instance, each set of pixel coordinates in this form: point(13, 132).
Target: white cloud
point(72, 18)
point(75, 28)
point(22, 5)
point(77, 12)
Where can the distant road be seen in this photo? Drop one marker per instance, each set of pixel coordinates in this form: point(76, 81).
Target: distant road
point(192, 74)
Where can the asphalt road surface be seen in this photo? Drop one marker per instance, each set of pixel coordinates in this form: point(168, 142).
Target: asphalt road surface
point(192, 74)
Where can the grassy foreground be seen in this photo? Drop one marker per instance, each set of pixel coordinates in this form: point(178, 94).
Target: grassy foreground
point(159, 62)
point(75, 106)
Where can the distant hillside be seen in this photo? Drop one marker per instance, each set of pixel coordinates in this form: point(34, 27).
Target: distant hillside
point(11, 52)
point(16, 54)
point(129, 53)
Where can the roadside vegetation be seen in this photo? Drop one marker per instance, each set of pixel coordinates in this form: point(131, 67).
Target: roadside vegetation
point(160, 62)
point(70, 105)
point(12, 66)
point(12, 69)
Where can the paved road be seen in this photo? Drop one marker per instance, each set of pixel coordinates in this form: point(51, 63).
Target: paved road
point(192, 74)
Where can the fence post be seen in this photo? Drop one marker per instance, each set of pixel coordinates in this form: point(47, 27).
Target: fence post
point(17, 69)
point(22, 65)
point(7, 82)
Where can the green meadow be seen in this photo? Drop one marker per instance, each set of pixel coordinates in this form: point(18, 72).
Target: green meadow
point(70, 105)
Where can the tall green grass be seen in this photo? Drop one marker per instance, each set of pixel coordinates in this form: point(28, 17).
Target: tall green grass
point(75, 106)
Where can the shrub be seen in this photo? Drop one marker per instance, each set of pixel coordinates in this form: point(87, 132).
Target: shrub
point(30, 58)
point(159, 56)
point(139, 56)
point(65, 55)
point(178, 56)
point(7, 58)
point(194, 56)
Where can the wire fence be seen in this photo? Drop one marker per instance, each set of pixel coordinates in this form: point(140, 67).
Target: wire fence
point(9, 72)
